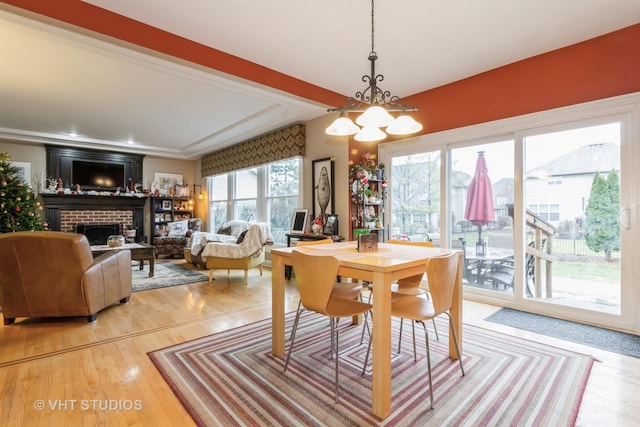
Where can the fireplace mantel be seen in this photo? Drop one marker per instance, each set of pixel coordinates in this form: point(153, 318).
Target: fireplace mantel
point(55, 203)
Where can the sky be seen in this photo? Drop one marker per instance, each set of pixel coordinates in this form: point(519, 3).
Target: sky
point(540, 149)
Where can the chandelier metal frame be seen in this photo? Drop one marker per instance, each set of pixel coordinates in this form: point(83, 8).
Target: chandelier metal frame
point(372, 95)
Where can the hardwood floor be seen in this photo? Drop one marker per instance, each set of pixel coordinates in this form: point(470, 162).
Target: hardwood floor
point(99, 373)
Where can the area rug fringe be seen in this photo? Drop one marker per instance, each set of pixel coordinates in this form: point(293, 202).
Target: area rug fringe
point(231, 378)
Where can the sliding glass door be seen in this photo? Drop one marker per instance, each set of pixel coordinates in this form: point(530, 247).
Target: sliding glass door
point(481, 195)
point(542, 206)
point(572, 197)
point(415, 201)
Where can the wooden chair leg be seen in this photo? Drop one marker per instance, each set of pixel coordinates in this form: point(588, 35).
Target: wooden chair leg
point(211, 275)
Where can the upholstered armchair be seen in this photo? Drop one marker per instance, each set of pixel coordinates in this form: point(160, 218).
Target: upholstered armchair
point(241, 253)
point(54, 274)
point(177, 237)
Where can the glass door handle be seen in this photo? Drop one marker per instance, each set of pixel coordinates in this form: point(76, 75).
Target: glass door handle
point(623, 218)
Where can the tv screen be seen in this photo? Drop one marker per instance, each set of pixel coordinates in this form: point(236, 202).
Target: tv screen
point(97, 175)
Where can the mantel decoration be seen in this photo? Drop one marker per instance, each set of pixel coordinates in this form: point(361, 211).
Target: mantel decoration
point(375, 104)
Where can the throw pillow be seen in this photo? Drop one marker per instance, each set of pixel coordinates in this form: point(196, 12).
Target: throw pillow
point(241, 237)
point(224, 230)
point(178, 228)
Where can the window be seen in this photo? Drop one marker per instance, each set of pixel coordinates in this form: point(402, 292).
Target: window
point(546, 212)
point(267, 193)
point(563, 191)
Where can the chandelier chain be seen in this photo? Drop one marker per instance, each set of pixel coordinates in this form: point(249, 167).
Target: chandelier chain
point(372, 28)
point(372, 94)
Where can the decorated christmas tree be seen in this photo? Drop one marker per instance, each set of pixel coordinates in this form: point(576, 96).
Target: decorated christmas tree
point(19, 209)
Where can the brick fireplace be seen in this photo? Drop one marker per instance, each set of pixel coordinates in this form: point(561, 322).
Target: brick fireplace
point(64, 211)
point(70, 219)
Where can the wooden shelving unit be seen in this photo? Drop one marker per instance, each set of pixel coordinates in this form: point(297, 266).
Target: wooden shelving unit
point(165, 210)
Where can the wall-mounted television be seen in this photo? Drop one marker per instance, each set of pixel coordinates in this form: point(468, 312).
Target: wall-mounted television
point(97, 175)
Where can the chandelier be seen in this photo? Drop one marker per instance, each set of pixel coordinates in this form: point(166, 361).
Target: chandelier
point(376, 106)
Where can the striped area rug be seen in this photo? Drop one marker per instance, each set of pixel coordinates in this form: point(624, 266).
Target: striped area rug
point(231, 378)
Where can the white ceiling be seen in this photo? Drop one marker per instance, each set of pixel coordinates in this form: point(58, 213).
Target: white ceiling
point(55, 80)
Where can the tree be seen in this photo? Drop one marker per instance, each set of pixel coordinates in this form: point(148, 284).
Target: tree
point(19, 208)
point(602, 231)
point(415, 185)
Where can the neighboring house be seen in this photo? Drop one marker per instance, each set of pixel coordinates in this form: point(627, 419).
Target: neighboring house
point(559, 190)
point(502, 197)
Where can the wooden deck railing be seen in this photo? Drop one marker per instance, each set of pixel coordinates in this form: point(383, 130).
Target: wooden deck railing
point(541, 250)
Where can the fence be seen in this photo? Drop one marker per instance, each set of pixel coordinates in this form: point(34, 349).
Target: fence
point(577, 247)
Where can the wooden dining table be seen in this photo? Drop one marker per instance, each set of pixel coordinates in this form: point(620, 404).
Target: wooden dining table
point(390, 263)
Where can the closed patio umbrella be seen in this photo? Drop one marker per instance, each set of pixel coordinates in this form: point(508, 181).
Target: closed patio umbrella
point(479, 209)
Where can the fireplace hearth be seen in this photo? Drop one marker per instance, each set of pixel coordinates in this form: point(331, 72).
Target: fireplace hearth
point(97, 234)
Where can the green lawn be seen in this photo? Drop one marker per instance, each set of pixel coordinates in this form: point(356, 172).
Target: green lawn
point(605, 271)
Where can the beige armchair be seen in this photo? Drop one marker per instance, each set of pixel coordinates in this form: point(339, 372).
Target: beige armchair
point(245, 253)
point(53, 274)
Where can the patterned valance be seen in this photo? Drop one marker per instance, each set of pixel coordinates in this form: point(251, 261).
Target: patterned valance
point(279, 145)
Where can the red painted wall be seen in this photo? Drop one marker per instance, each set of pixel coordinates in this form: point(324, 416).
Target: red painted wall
point(599, 68)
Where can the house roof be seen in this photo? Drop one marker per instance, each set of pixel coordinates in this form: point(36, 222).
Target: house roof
point(588, 159)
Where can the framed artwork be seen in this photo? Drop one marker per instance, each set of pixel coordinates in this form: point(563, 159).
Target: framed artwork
point(323, 188)
point(299, 221)
point(331, 225)
point(182, 190)
point(24, 171)
point(166, 181)
point(166, 205)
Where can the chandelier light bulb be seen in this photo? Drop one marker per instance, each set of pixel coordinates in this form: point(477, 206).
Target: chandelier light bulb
point(342, 126)
point(404, 125)
point(375, 116)
point(370, 134)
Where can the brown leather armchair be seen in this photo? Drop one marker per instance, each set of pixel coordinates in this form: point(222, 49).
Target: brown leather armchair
point(54, 274)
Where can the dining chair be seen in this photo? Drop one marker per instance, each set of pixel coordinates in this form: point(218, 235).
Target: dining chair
point(441, 273)
point(342, 289)
point(349, 290)
point(315, 276)
point(409, 286)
